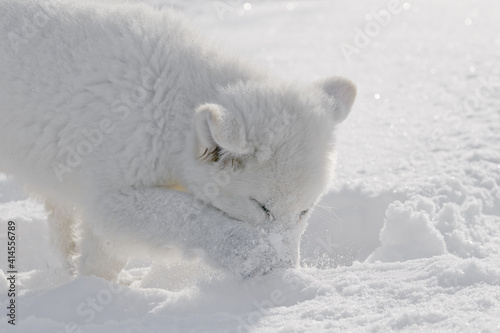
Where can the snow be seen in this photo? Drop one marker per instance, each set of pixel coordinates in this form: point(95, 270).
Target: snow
point(409, 237)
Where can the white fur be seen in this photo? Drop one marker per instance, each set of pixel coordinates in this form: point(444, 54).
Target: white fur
point(97, 118)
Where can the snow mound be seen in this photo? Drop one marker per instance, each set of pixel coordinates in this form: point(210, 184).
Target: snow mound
point(407, 234)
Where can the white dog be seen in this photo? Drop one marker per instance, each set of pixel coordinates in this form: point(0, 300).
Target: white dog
point(106, 109)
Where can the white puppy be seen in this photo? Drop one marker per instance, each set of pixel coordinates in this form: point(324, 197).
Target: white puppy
point(105, 109)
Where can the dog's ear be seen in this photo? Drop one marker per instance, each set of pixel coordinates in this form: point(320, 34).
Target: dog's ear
point(342, 93)
point(220, 131)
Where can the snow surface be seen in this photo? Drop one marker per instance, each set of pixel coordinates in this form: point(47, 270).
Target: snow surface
point(409, 237)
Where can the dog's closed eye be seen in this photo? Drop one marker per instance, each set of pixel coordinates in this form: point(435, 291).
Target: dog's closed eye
point(264, 208)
